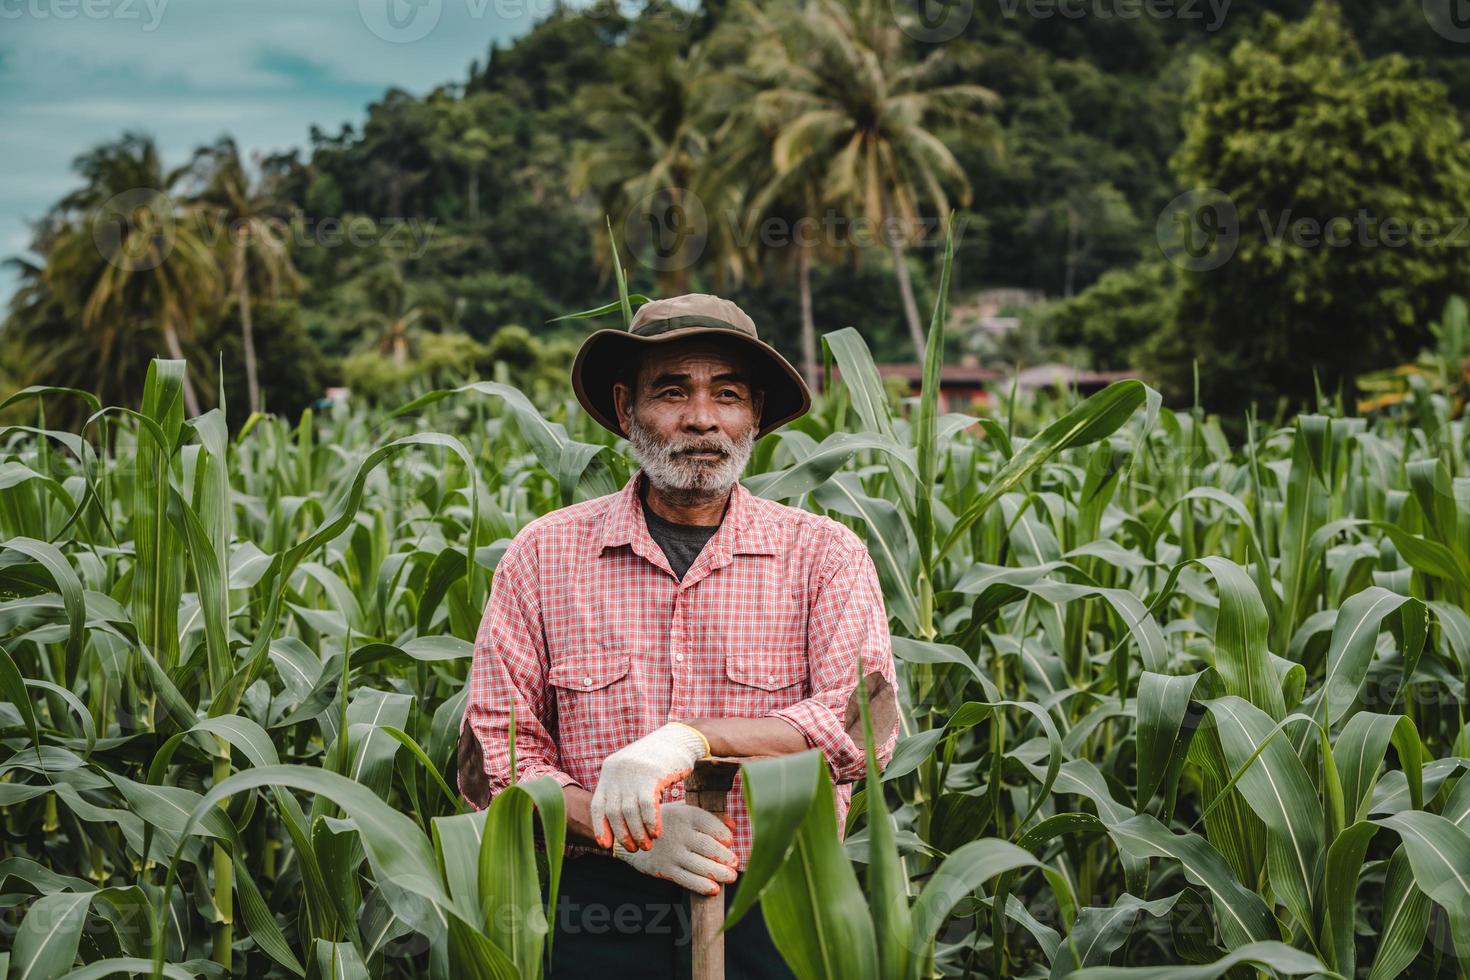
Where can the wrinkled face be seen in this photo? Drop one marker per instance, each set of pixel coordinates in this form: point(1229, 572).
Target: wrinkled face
point(691, 414)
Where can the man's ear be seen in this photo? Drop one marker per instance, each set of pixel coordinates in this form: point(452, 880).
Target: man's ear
point(622, 394)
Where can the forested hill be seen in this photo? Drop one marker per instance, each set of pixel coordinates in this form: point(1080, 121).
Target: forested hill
point(1090, 110)
point(504, 177)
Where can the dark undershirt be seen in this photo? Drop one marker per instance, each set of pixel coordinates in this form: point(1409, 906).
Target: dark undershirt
point(681, 543)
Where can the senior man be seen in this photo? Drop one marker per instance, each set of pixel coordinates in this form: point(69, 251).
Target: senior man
point(678, 618)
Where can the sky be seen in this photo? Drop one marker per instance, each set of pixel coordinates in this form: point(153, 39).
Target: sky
point(74, 73)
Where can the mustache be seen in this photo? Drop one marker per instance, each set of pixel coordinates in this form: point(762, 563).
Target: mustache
point(724, 448)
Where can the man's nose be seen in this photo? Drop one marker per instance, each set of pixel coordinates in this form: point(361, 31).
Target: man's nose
point(699, 414)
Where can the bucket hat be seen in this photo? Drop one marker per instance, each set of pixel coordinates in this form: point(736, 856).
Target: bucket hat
point(663, 321)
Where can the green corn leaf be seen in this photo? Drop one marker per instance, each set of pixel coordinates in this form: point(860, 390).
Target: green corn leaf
point(46, 942)
point(888, 542)
point(1098, 932)
point(1163, 702)
point(1243, 918)
point(963, 871)
point(888, 887)
point(1344, 864)
point(1241, 657)
point(1354, 637)
point(337, 961)
point(798, 870)
point(1096, 418)
point(1279, 957)
point(1439, 853)
point(1362, 744)
point(830, 456)
point(1405, 918)
point(1280, 792)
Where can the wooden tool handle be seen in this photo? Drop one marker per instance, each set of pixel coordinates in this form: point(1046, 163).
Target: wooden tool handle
point(707, 912)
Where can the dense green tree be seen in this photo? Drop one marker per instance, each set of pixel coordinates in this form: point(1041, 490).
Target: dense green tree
point(251, 242)
point(1114, 320)
point(469, 190)
point(295, 369)
point(650, 138)
point(1348, 180)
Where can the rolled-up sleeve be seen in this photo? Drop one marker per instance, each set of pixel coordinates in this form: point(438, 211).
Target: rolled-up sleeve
point(509, 672)
point(847, 624)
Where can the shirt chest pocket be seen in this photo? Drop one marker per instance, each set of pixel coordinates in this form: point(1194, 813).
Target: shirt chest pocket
point(596, 703)
point(767, 670)
point(765, 658)
point(590, 671)
point(762, 677)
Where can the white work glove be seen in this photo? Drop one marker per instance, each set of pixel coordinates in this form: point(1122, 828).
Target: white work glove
point(625, 802)
point(693, 851)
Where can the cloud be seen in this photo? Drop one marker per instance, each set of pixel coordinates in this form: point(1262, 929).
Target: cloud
point(74, 73)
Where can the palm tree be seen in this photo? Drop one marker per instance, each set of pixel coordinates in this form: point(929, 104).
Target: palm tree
point(848, 102)
point(743, 187)
point(127, 254)
point(42, 345)
point(394, 313)
point(250, 217)
point(651, 141)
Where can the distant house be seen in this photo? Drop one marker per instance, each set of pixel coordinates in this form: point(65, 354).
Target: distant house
point(963, 387)
point(998, 326)
point(960, 386)
point(1066, 376)
point(982, 312)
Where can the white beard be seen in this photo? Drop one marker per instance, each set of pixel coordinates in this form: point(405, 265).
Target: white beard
point(669, 470)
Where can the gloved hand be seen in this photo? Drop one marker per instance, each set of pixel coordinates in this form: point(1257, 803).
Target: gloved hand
point(625, 802)
point(693, 851)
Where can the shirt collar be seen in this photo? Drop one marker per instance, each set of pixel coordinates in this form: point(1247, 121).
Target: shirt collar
point(742, 531)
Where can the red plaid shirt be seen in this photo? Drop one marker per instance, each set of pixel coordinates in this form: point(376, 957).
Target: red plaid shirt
point(588, 634)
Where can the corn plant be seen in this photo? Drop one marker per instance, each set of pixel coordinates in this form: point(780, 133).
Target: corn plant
point(1171, 705)
point(1168, 701)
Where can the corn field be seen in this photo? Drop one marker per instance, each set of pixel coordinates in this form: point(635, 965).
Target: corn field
point(1171, 706)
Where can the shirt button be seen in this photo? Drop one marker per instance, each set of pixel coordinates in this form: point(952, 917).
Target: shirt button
point(770, 678)
point(679, 657)
point(587, 681)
